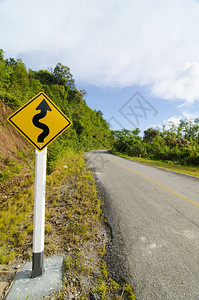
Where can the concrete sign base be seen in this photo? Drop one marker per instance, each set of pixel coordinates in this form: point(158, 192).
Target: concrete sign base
point(25, 287)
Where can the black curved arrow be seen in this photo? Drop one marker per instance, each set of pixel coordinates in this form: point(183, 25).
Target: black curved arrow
point(43, 106)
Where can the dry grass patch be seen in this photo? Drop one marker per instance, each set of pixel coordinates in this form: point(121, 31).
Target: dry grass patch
point(75, 228)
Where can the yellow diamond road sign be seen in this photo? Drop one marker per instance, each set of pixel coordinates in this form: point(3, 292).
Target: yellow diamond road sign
point(40, 121)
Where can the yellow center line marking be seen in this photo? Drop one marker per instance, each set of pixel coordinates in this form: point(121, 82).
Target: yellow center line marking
point(157, 183)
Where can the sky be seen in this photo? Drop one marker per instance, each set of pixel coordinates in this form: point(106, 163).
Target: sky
point(138, 60)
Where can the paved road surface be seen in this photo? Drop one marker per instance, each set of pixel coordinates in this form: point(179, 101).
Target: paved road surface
point(156, 214)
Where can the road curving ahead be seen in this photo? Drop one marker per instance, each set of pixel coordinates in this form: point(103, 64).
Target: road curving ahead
point(154, 215)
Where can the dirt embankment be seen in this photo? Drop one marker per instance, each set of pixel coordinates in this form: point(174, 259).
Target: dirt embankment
point(15, 152)
point(16, 165)
point(10, 140)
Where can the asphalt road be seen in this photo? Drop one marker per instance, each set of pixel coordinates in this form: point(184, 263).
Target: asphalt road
point(154, 215)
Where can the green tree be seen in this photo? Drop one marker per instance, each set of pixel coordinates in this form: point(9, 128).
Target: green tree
point(63, 76)
point(44, 77)
point(150, 134)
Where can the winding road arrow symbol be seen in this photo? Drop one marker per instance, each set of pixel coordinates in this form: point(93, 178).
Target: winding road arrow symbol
point(44, 107)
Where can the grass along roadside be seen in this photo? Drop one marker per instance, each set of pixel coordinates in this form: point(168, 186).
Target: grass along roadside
point(75, 228)
point(169, 165)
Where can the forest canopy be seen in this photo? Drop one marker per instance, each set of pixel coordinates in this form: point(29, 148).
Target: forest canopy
point(174, 143)
point(89, 129)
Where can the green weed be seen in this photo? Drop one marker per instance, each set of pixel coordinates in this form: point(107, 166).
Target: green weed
point(127, 290)
point(169, 165)
point(10, 168)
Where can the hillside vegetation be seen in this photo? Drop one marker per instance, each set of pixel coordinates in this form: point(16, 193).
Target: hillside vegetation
point(173, 145)
point(18, 85)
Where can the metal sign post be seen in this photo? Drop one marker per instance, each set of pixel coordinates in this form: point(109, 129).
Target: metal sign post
point(40, 134)
point(39, 213)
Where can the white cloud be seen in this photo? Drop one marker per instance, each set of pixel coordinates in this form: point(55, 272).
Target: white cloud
point(175, 120)
point(172, 120)
point(109, 43)
point(190, 116)
point(180, 85)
